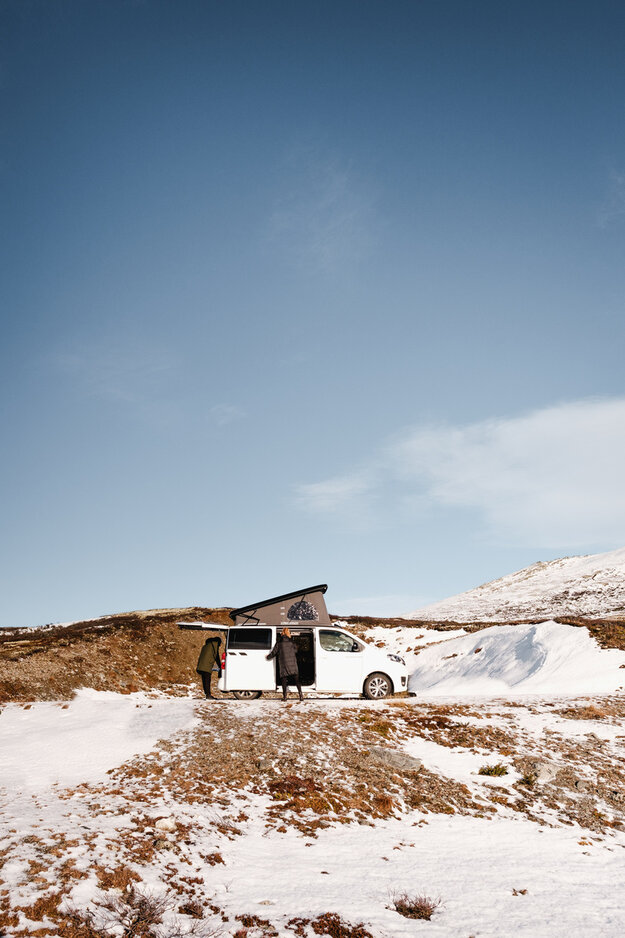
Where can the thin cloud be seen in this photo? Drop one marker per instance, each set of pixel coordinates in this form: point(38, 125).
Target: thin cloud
point(324, 218)
point(338, 494)
point(223, 414)
point(613, 208)
point(551, 478)
point(137, 378)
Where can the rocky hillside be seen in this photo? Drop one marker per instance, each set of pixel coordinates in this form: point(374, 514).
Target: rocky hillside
point(592, 586)
point(127, 652)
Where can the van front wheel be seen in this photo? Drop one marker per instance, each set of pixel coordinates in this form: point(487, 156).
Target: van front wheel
point(247, 694)
point(378, 686)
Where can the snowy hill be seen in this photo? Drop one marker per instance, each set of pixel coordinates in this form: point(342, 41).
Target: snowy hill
point(593, 585)
point(545, 658)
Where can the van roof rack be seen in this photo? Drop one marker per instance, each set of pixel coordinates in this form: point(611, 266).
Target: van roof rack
point(321, 588)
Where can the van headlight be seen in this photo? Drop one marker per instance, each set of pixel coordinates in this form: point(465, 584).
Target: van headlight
point(397, 659)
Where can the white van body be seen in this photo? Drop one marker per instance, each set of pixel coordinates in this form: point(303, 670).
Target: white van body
point(331, 660)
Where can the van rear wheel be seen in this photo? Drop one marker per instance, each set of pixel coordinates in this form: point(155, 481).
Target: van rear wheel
point(247, 694)
point(378, 686)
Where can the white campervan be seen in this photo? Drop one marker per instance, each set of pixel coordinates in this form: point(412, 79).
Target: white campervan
point(330, 659)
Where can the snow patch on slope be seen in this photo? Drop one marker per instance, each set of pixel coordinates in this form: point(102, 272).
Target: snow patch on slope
point(400, 639)
point(593, 585)
point(79, 741)
point(543, 658)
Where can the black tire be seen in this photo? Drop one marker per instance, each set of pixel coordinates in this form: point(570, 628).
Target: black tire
point(247, 694)
point(378, 686)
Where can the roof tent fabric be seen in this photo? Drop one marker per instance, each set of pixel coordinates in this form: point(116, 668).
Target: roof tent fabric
point(301, 606)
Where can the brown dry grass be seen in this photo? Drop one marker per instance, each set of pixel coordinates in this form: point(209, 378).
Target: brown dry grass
point(418, 907)
point(329, 924)
point(126, 653)
point(590, 712)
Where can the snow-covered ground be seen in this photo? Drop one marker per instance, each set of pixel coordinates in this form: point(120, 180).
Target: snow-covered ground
point(497, 877)
point(400, 640)
point(593, 585)
point(544, 658)
point(80, 740)
point(473, 865)
point(540, 658)
point(88, 797)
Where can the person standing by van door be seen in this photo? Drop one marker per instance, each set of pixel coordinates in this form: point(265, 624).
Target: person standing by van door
point(206, 662)
point(286, 651)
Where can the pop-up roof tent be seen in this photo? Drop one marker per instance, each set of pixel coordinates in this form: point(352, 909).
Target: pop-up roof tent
point(307, 605)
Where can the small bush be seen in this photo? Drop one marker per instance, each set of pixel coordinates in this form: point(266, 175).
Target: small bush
point(133, 914)
point(591, 712)
point(329, 924)
point(498, 769)
point(422, 907)
point(529, 779)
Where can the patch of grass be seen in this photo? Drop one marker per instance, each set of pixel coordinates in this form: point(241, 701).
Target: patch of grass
point(121, 878)
point(329, 924)
point(496, 770)
point(419, 906)
point(254, 921)
point(591, 712)
point(376, 724)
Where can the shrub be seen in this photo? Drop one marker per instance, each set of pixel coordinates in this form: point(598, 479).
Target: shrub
point(329, 924)
point(591, 712)
point(420, 906)
point(498, 769)
point(133, 914)
point(529, 779)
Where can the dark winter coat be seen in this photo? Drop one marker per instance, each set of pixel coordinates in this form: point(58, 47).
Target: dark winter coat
point(209, 654)
point(286, 651)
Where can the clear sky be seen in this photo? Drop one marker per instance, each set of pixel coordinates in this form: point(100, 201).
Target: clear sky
point(301, 292)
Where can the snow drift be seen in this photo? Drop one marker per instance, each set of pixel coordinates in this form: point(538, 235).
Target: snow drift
point(80, 741)
point(593, 585)
point(544, 658)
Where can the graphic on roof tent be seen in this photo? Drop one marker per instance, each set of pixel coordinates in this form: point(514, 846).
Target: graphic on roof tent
point(306, 605)
point(303, 610)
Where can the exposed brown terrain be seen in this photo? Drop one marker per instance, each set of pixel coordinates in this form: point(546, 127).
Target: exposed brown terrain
point(127, 652)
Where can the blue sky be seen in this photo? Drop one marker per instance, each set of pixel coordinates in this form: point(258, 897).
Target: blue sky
point(297, 293)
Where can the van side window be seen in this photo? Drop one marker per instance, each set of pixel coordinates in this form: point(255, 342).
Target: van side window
point(249, 639)
point(337, 641)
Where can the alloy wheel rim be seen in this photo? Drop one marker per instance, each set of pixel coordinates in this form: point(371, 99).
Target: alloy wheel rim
point(378, 687)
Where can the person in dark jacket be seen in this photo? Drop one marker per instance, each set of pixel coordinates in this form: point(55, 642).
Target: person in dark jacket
point(206, 662)
point(285, 650)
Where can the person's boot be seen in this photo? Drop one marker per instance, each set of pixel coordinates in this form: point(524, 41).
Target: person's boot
point(301, 696)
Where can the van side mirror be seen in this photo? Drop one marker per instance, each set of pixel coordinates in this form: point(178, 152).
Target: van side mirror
point(355, 646)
